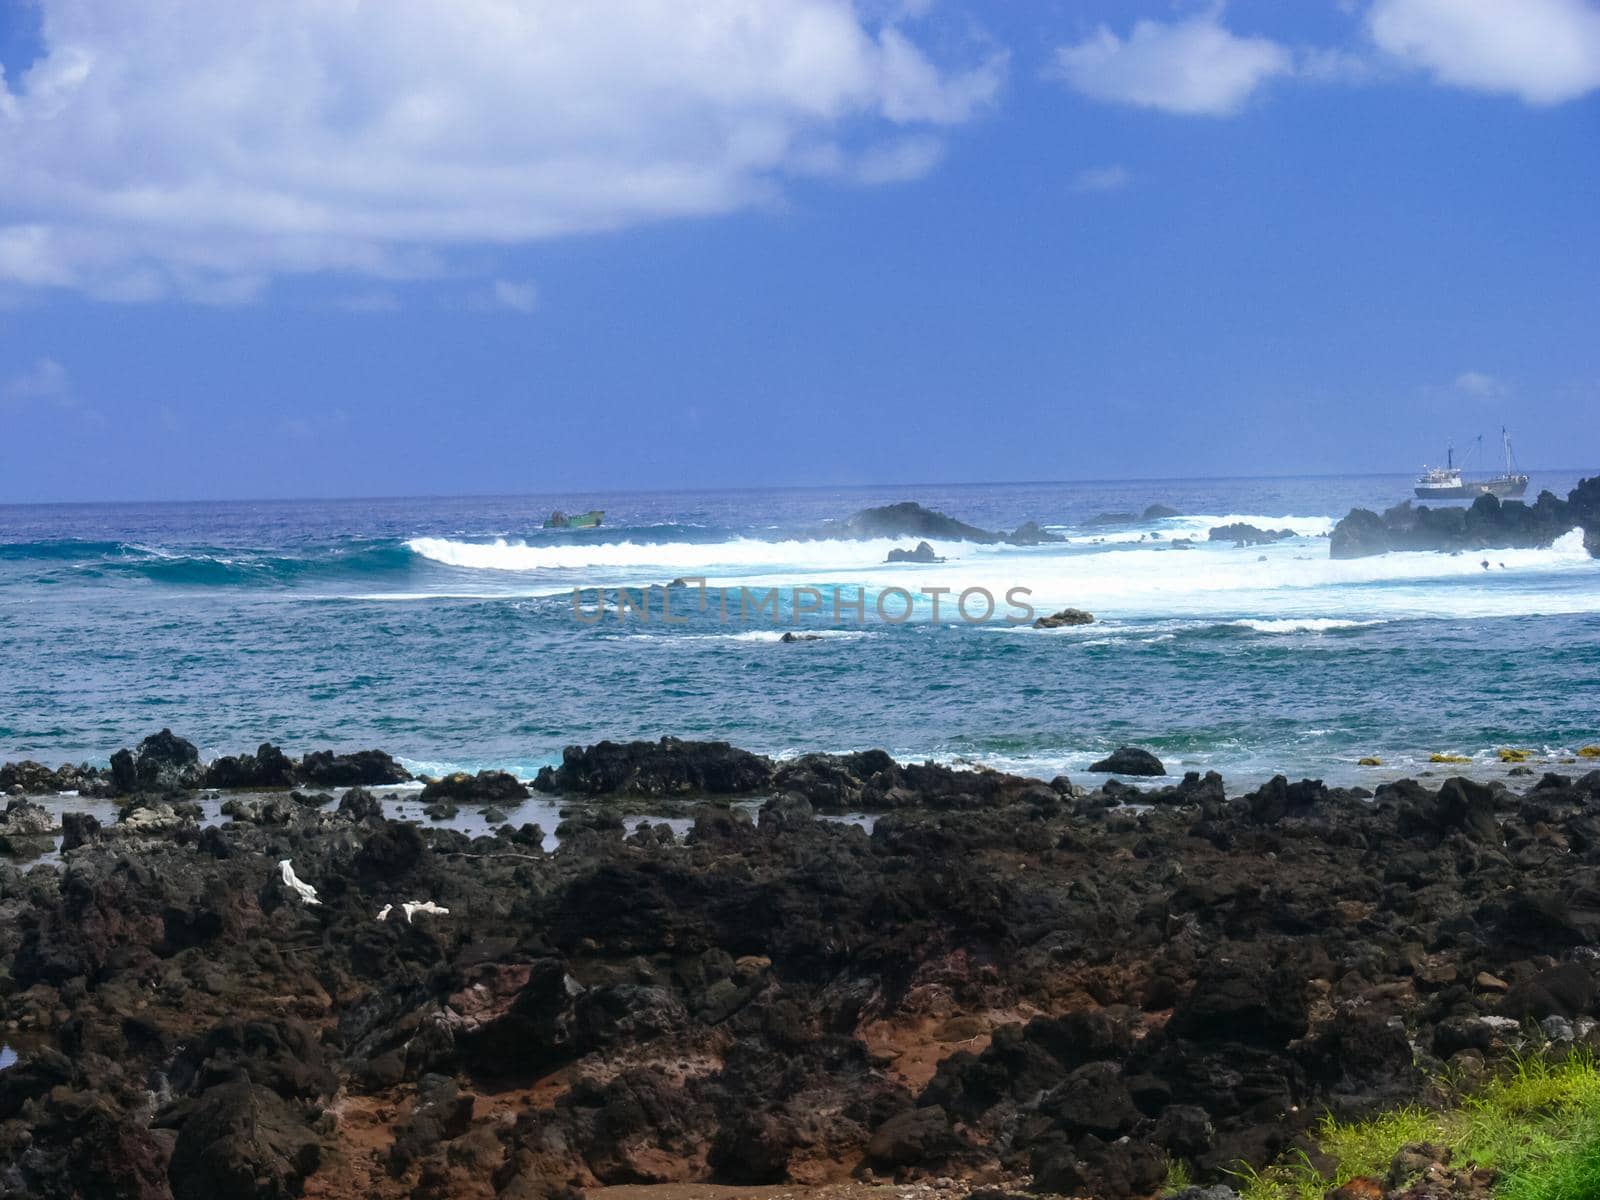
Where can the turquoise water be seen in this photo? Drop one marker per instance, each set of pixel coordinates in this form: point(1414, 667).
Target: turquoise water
point(444, 630)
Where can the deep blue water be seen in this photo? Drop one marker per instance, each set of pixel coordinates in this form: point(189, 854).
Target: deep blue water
point(444, 630)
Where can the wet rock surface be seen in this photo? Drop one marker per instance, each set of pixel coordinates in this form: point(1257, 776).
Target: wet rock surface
point(1066, 617)
point(1129, 760)
point(922, 552)
point(1005, 980)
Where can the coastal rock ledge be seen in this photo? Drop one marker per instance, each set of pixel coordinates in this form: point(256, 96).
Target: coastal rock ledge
point(1006, 983)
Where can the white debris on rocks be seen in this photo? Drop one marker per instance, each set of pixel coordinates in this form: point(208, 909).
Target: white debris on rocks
point(307, 893)
point(412, 907)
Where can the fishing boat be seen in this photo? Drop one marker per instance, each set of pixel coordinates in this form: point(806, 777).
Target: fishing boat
point(588, 520)
point(1447, 483)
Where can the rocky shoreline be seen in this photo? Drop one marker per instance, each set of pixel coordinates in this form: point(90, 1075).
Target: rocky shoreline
point(1006, 984)
point(1488, 523)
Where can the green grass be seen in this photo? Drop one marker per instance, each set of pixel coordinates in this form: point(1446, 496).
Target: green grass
point(1537, 1122)
point(1178, 1176)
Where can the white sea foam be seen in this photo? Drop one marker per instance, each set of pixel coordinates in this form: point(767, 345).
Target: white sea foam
point(657, 558)
point(750, 635)
point(1302, 624)
point(1286, 588)
point(1198, 528)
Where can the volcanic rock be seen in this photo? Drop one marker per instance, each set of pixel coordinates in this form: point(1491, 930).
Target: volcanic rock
point(163, 762)
point(669, 767)
point(486, 787)
point(1487, 523)
point(1129, 760)
point(923, 553)
point(909, 519)
point(364, 768)
point(1067, 616)
point(268, 767)
point(1241, 534)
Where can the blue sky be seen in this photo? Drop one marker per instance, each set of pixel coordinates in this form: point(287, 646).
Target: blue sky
point(369, 249)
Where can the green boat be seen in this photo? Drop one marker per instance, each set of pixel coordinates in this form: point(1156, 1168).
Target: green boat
point(588, 520)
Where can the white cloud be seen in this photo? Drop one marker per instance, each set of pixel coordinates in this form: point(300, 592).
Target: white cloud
point(45, 380)
point(171, 147)
point(518, 297)
point(1195, 66)
point(1112, 178)
point(1543, 51)
point(1480, 385)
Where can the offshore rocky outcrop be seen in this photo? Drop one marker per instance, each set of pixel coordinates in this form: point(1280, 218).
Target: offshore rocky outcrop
point(909, 519)
point(1241, 534)
point(1065, 618)
point(1009, 982)
point(1488, 523)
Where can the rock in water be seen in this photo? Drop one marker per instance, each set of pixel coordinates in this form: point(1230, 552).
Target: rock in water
point(1488, 523)
point(910, 519)
point(1067, 616)
point(1158, 512)
point(1241, 534)
point(922, 554)
point(1031, 534)
point(1129, 760)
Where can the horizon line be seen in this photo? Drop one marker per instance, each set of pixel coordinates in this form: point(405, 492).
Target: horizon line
point(734, 488)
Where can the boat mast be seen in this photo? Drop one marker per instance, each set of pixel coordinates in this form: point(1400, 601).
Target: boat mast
point(1505, 438)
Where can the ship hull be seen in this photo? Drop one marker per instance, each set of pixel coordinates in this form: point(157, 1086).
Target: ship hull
point(1505, 489)
point(588, 520)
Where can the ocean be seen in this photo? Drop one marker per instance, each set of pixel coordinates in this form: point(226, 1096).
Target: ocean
point(445, 630)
